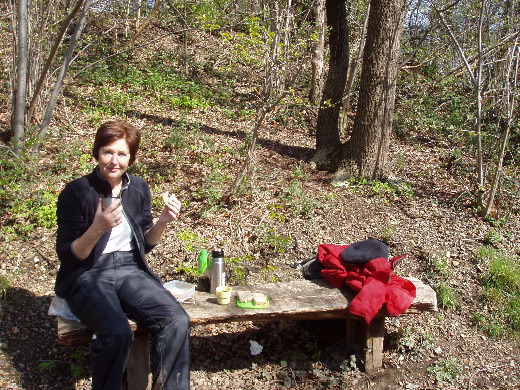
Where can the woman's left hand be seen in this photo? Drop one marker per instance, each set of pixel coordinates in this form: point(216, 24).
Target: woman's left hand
point(172, 209)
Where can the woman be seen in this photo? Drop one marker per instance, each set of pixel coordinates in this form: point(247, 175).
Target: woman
point(103, 273)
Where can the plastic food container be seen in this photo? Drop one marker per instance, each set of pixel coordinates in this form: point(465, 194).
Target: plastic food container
point(180, 290)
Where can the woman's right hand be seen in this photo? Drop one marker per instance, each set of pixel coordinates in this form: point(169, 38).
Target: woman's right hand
point(108, 219)
point(103, 222)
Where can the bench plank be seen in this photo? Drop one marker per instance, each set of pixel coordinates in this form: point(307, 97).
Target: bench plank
point(296, 300)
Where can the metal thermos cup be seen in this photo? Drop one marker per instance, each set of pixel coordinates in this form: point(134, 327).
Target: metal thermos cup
point(105, 202)
point(218, 271)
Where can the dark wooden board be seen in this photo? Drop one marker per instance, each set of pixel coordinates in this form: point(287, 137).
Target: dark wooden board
point(296, 300)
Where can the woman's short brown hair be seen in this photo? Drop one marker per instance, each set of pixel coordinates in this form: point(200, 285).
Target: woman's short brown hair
point(112, 131)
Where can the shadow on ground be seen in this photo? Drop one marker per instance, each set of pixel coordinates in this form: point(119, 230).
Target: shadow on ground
point(29, 344)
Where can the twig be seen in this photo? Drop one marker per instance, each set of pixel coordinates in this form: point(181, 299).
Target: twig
point(9, 149)
point(45, 257)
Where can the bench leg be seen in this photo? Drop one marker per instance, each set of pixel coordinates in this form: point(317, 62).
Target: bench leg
point(138, 372)
point(367, 340)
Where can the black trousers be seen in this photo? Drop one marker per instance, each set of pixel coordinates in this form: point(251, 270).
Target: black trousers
point(105, 295)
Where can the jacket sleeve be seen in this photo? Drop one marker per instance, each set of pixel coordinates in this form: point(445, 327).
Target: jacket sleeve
point(71, 220)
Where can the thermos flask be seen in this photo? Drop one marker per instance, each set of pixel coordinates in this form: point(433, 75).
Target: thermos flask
point(218, 271)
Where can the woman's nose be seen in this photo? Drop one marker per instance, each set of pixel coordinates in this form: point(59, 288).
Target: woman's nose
point(114, 159)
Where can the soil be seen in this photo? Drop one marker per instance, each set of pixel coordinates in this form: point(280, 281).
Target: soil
point(287, 210)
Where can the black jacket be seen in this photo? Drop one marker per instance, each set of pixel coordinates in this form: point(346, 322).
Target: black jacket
point(77, 205)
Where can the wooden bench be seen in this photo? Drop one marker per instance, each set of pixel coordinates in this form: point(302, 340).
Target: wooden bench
point(296, 300)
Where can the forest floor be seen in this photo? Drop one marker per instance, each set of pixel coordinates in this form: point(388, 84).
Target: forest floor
point(428, 351)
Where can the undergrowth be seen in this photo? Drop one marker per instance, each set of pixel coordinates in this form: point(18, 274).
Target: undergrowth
point(500, 281)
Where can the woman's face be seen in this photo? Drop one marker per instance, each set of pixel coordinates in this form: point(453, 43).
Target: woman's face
point(113, 160)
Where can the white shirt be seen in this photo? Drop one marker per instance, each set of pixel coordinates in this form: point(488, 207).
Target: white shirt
point(120, 238)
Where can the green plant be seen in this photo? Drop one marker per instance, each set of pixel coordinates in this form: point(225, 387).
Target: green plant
point(189, 239)
point(5, 284)
point(238, 266)
point(493, 237)
point(441, 264)
point(45, 209)
point(311, 345)
point(414, 342)
point(400, 161)
point(268, 270)
point(501, 290)
point(299, 202)
point(212, 188)
point(382, 189)
point(387, 234)
point(270, 241)
point(78, 360)
point(446, 370)
point(276, 212)
point(446, 295)
point(187, 268)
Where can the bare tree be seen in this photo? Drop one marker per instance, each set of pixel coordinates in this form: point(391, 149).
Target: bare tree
point(278, 76)
point(43, 74)
point(474, 70)
point(18, 118)
point(508, 107)
point(353, 70)
point(59, 79)
point(141, 27)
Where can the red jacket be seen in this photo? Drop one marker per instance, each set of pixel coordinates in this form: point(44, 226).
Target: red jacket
point(374, 283)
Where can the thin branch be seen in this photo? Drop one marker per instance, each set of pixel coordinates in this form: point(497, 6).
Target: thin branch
point(490, 50)
point(50, 58)
point(59, 80)
point(456, 43)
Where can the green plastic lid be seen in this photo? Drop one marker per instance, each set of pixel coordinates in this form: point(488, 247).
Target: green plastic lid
point(202, 261)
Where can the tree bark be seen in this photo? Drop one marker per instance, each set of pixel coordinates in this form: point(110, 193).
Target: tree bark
point(365, 154)
point(327, 127)
point(317, 55)
point(18, 118)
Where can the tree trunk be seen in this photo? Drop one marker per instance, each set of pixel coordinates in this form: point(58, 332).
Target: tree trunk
point(18, 118)
point(317, 55)
point(327, 127)
point(365, 153)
